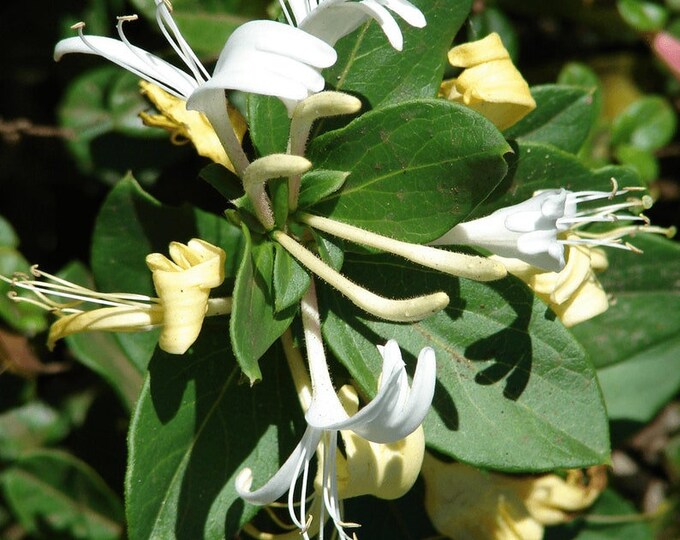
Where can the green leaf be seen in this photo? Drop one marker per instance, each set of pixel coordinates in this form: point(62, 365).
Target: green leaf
point(418, 168)
point(643, 161)
point(28, 427)
point(610, 518)
point(505, 368)
point(330, 249)
point(101, 351)
point(194, 430)
point(648, 123)
point(636, 343)
point(563, 117)
point(8, 238)
point(223, 180)
point(54, 495)
point(291, 280)
point(268, 123)
point(368, 66)
point(643, 16)
point(132, 224)
point(255, 324)
point(318, 184)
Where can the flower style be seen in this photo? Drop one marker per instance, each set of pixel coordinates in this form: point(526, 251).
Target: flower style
point(574, 294)
point(330, 20)
point(464, 502)
point(260, 56)
point(490, 83)
point(182, 287)
point(529, 230)
point(395, 413)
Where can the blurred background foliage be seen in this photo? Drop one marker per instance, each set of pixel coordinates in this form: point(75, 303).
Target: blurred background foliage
point(70, 131)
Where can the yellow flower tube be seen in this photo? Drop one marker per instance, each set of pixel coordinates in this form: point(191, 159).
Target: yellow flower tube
point(183, 285)
point(490, 83)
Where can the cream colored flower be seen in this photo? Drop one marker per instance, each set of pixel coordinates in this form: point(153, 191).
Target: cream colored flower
point(183, 285)
point(490, 83)
point(189, 126)
point(466, 503)
point(574, 293)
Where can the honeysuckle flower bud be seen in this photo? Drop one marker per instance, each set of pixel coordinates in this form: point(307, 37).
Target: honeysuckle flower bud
point(574, 294)
point(183, 285)
point(490, 83)
point(464, 502)
point(533, 230)
point(330, 20)
point(260, 56)
point(189, 126)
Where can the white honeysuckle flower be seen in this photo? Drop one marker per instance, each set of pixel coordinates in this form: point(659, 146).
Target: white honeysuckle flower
point(263, 57)
point(397, 410)
point(330, 20)
point(534, 231)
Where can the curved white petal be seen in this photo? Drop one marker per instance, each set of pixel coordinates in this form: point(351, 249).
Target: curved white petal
point(397, 409)
point(140, 62)
point(282, 480)
point(407, 11)
point(412, 405)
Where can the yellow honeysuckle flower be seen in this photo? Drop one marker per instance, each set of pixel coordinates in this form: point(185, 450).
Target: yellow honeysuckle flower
point(490, 83)
point(185, 125)
point(574, 293)
point(183, 285)
point(466, 503)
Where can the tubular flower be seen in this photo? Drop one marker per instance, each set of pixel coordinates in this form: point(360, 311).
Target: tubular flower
point(395, 413)
point(260, 56)
point(183, 285)
point(464, 502)
point(179, 310)
point(534, 230)
point(490, 83)
point(330, 20)
point(574, 294)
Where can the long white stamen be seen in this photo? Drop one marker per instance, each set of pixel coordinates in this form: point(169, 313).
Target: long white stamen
point(178, 43)
point(141, 74)
point(286, 13)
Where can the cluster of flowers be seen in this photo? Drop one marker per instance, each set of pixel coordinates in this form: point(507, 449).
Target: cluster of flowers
point(540, 240)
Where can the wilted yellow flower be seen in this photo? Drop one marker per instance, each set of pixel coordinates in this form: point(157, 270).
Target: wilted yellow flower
point(183, 285)
point(466, 503)
point(185, 125)
point(490, 83)
point(574, 294)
